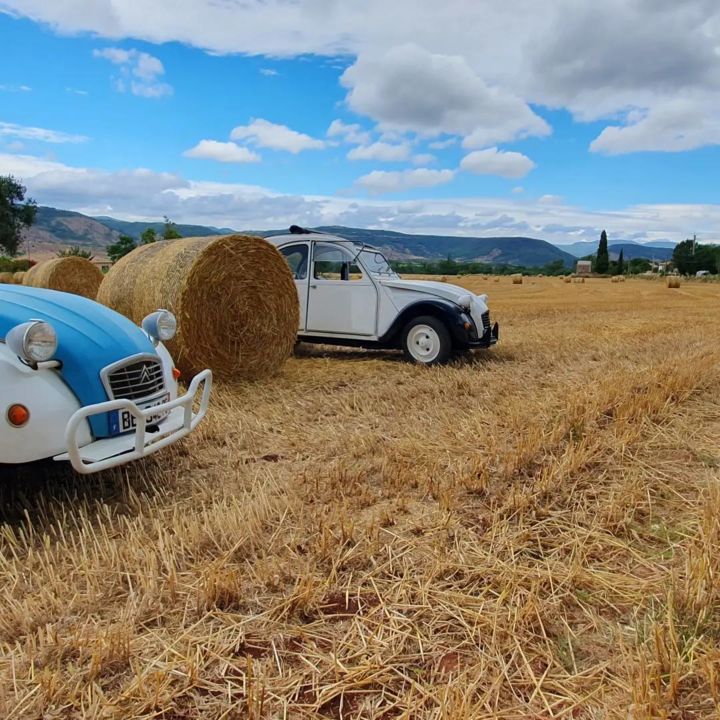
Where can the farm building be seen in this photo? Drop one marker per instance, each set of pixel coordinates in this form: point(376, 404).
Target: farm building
point(584, 267)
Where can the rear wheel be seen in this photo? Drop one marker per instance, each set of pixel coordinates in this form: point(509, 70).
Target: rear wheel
point(426, 341)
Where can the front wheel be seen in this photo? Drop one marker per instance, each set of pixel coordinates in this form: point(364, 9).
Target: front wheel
point(426, 341)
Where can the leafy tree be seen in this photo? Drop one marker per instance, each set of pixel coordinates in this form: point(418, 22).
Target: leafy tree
point(639, 265)
point(122, 247)
point(621, 263)
point(170, 232)
point(149, 236)
point(556, 267)
point(602, 261)
point(689, 257)
point(16, 213)
point(76, 251)
point(15, 264)
point(448, 266)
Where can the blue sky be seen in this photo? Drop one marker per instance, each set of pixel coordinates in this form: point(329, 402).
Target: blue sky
point(255, 114)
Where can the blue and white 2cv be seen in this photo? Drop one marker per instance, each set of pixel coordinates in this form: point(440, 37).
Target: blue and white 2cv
point(81, 383)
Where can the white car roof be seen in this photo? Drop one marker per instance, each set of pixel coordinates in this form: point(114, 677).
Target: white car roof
point(318, 237)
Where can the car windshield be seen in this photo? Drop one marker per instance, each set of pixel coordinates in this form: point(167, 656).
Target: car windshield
point(376, 263)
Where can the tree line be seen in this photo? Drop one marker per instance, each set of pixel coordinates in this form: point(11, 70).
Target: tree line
point(126, 243)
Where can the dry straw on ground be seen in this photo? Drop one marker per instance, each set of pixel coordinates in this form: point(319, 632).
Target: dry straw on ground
point(234, 298)
point(6, 277)
point(68, 274)
point(673, 282)
point(18, 277)
point(531, 533)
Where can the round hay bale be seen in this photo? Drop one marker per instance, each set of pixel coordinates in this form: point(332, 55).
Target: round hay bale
point(29, 274)
point(234, 298)
point(673, 282)
point(496, 279)
point(567, 279)
point(18, 277)
point(69, 274)
point(6, 277)
point(517, 279)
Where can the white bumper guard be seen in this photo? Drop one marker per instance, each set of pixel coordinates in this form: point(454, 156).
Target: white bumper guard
point(121, 449)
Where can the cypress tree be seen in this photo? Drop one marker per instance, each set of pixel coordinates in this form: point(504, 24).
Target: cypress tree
point(621, 263)
point(602, 261)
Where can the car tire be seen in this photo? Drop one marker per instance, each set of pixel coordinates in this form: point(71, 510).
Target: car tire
point(426, 341)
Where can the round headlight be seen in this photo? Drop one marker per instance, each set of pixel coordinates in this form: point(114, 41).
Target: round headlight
point(160, 325)
point(33, 341)
point(465, 301)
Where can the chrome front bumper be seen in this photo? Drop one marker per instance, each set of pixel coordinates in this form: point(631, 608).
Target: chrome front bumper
point(114, 451)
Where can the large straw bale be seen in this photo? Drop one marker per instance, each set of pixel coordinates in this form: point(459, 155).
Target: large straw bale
point(517, 278)
point(18, 277)
point(673, 281)
point(6, 277)
point(69, 274)
point(234, 298)
point(30, 273)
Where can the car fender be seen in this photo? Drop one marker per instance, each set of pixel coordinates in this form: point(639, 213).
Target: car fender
point(452, 315)
point(51, 404)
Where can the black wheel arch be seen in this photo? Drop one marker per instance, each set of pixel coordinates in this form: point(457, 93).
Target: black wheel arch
point(450, 314)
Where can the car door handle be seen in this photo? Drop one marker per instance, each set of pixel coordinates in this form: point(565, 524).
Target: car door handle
point(314, 287)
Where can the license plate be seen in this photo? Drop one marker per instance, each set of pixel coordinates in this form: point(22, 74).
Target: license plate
point(122, 421)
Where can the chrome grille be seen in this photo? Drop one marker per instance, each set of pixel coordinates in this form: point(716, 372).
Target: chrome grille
point(486, 321)
point(136, 380)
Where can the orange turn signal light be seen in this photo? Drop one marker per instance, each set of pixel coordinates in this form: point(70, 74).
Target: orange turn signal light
point(18, 415)
point(176, 373)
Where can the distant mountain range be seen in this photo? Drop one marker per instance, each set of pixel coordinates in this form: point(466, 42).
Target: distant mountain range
point(135, 229)
point(632, 251)
point(652, 250)
point(56, 229)
point(496, 250)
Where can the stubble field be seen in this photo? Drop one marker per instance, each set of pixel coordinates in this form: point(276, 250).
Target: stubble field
point(529, 533)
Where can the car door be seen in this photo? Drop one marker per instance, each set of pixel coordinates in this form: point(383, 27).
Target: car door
point(297, 256)
point(342, 299)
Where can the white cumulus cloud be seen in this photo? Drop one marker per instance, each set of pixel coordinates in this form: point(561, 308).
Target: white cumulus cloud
point(680, 124)
point(140, 72)
point(264, 133)
point(25, 132)
point(411, 89)
point(227, 152)
point(351, 133)
point(491, 61)
point(380, 151)
point(380, 181)
point(492, 161)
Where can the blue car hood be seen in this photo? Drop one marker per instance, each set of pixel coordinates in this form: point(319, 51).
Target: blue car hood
point(90, 337)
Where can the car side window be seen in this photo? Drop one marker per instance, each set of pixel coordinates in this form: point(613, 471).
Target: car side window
point(297, 259)
point(334, 263)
